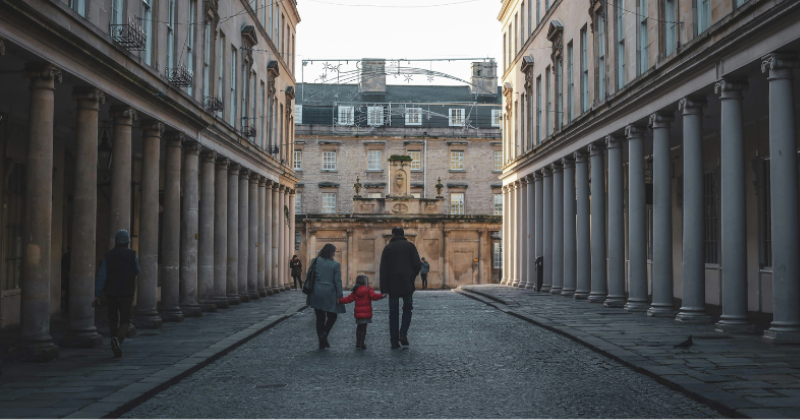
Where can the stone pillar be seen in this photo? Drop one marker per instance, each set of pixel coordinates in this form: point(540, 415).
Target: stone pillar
point(547, 208)
point(785, 327)
point(282, 250)
point(616, 225)
point(171, 232)
point(232, 273)
point(694, 288)
point(147, 282)
point(512, 235)
point(292, 230)
point(662, 305)
point(121, 172)
point(524, 233)
point(504, 239)
point(558, 229)
point(82, 332)
point(583, 267)
point(260, 247)
point(205, 246)
point(189, 231)
point(637, 225)
point(268, 238)
point(252, 239)
point(539, 216)
point(530, 214)
point(221, 235)
point(276, 288)
point(599, 288)
point(445, 259)
point(521, 233)
point(569, 228)
point(244, 234)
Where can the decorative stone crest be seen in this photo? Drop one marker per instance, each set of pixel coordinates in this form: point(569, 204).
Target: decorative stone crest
point(400, 208)
point(367, 207)
point(357, 187)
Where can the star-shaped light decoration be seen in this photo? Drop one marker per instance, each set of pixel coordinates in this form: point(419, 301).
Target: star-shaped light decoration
point(409, 77)
point(430, 78)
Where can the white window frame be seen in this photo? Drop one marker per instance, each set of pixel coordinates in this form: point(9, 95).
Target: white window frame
point(298, 203)
point(457, 203)
point(413, 116)
point(456, 117)
point(498, 204)
point(374, 195)
point(327, 206)
point(643, 37)
point(117, 6)
point(703, 15)
point(497, 160)
point(147, 27)
point(497, 254)
point(190, 44)
point(497, 118)
point(416, 159)
point(374, 115)
point(298, 114)
point(298, 160)
point(170, 34)
point(374, 160)
point(457, 160)
point(329, 160)
point(346, 115)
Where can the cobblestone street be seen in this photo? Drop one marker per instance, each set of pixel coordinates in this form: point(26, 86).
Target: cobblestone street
point(466, 359)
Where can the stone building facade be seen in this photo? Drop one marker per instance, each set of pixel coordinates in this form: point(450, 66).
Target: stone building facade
point(172, 119)
point(650, 156)
point(451, 133)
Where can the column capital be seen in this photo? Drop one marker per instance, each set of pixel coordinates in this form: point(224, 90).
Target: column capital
point(779, 61)
point(209, 156)
point(660, 120)
point(692, 105)
point(192, 147)
point(262, 181)
point(730, 88)
point(556, 166)
point(568, 162)
point(537, 176)
point(523, 181)
point(254, 178)
point(90, 96)
point(281, 188)
point(123, 112)
point(517, 184)
point(269, 182)
point(292, 191)
point(633, 131)
point(152, 128)
point(46, 72)
point(174, 139)
point(234, 168)
point(276, 186)
point(529, 178)
point(613, 142)
point(547, 171)
point(579, 156)
point(223, 162)
point(244, 173)
point(596, 148)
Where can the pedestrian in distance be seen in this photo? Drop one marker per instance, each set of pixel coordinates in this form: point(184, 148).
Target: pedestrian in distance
point(117, 280)
point(297, 269)
point(362, 295)
point(424, 273)
point(324, 299)
point(400, 265)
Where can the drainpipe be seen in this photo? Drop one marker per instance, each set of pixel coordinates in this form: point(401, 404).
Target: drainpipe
point(425, 168)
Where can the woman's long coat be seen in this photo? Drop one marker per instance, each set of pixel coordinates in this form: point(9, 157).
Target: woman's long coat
point(327, 286)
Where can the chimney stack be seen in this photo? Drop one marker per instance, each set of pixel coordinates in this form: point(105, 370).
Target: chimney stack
point(484, 78)
point(373, 76)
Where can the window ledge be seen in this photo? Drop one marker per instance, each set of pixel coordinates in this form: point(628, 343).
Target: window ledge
point(374, 171)
point(458, 170)
point(329, 171)
point(497, 171)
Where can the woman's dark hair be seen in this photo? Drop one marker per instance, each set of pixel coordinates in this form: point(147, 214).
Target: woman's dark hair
point(328, 251)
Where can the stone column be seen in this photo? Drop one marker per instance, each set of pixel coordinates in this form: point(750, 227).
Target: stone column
point(82, 332)
point(547, 208)
point(252, 240)
point(558, 229)
point(445, 235)
point(521, 233)
point(169, 308)
point(523, 239)
point(539, 216)
point(583, 267)
point(260, 247)
point(147, 282)
point(276, 288)
point(292, 230)
point(284, 260)
point(662, 305)
point(244, 234)
point(232, 273)
point(599, 288)
point(504, 239)
point(637, 226)
point(189, 231)
point(569, 228)
point(616, 225)
point(512, 234)
point(121, 172)
point(733, 238)
point(785, 327)
point(221, 235)
point(694, 288)
point(530, 214)
point(205, 246)
point(268, 234)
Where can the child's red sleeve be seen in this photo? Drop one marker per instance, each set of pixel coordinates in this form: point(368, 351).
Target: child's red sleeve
point(375, 296)
point(348, 299)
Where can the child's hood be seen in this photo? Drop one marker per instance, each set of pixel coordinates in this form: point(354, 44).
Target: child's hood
point(362, 291)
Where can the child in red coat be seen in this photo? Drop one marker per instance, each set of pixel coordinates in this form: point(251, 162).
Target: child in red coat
point(363, 295)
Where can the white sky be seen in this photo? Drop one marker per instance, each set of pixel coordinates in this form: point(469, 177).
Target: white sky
point(467, 30)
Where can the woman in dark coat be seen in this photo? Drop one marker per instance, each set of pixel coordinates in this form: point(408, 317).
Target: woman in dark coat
point(327, 292)
point(297, 268)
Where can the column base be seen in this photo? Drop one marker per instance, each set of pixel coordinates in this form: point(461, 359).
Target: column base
point(546, 288)
point(580, 295)
point(275, 290)
point(596, 298)
point(735, 327)
point(556, 290)
point(191, 311)
point(522, 284)
point(636, 306)
point(270, 292)
point(254, 295)
point(693, 316)
point(661, 311)
point(147, 320)
point(515, 283)
point(171, 315)
point(504, 282)
point(222, 303)
point(234, 300)
point(781, 337)
point(530, 286)
point(286, 287)
point(262, 292)
point(614, 302)
point(81, 339)
point(244, 298)
point(208, 306)
point(567, 293)
point(38, 350)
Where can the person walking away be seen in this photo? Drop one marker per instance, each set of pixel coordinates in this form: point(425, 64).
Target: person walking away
point(362, 295)
point(327, 292)
point(424, 273)
point(400, 265)
point(297, 268)
point(117, 279)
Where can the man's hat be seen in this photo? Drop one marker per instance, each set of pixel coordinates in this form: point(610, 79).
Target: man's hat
point(122, 237)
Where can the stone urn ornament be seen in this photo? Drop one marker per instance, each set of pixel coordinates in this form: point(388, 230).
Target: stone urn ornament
point(439, 187)
point(357, 187)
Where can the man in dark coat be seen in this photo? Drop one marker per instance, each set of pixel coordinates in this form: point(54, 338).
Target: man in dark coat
point(400, 265)
point(117, 278)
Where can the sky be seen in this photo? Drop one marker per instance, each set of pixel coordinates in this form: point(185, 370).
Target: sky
point(353, 29)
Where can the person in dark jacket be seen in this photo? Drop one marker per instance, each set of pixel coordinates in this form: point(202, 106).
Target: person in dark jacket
point(117, 279)
point(400, 265)
point(327, 292)
point(362, 295)
point(424, 273)
point(297, 268)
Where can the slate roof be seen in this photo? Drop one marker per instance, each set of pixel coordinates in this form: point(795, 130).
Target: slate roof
point(326, 94)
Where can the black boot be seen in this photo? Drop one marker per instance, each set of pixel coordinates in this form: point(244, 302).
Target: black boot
point(322, 341)
point(359, 339)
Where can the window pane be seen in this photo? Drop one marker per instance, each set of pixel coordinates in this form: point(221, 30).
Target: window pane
point(413, 116)
point(416, 160)
point(374, 161)
point(328, 203)
point(457, 203)
point(498, 204)
point(298, 160)
point(497, 117)
point(498, 160)
point(457, 160)
point(373, 195)
point(498, 256)
point(298, 203)
point(329, 161)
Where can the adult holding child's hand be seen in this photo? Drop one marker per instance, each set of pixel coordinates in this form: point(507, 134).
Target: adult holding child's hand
point(325, 274)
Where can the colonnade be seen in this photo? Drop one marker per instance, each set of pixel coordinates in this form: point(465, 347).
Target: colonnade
point(583, 247)
point(229, 241)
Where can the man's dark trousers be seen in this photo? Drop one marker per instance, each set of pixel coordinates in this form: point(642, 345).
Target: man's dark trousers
point(424, 280)
point(119, 316)
point(394, 314)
